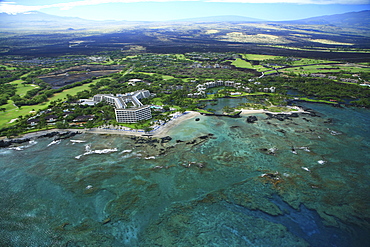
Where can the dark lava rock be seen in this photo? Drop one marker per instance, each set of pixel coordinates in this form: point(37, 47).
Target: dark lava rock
point(66, 135)
point(312, 113)
point(329, 120)
point(252, 119)
point(7, 143)
point(294, 115)
point(50, 134)
point(280, 116)
point(166, 139)
point(178, 141)
point(56, 134)
point(305, 108)
point(235, 126)
point(191, 142)
point(197, 119)
point(281, 131)
point(203, 137)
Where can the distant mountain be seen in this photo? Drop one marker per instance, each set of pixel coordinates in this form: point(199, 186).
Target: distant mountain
point(222, 18)
point(352, 19)
point(39, 21)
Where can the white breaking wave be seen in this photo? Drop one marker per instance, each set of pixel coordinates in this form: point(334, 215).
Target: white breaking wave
point(305, 149)
point(333, 132)
point(102, 151)
point(54, 142)
point(20, 148)
point(321, 162)
point(306, 169)
point(77, 141)
point(4, 151)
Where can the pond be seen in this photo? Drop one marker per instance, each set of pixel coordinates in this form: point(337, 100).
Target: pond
point(220, 103)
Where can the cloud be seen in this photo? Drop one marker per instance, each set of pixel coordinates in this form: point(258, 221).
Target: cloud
point(13, 8)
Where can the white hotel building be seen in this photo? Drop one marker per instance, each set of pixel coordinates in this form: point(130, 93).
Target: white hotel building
point(128, 107)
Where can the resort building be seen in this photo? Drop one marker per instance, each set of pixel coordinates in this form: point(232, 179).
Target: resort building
point(128, 107)
point(201, 88)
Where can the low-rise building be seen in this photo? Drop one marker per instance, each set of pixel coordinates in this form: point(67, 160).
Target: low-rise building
point(201, 88)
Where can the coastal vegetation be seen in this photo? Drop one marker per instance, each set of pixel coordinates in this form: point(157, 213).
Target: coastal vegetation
point(171, 78)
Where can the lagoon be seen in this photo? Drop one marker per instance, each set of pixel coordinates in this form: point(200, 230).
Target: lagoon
point(299, 182)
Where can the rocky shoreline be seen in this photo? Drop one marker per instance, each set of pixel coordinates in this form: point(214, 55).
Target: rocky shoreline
point(156, 146)
point(236, 115)
point(56, 134)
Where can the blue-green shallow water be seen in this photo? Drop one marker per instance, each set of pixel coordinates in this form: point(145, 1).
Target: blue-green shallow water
point(51, 198)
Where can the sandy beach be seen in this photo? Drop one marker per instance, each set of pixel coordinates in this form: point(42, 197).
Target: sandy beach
point(159, 131)
point(295, 109)
point(163, 131)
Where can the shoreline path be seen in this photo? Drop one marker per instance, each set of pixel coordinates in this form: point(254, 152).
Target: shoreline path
point(161, 129)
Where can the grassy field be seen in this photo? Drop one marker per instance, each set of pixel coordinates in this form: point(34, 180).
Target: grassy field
point(306, 61)
point(318, 101)
point(326, 69)
point(71, 91)
point(240, 63)
point(157, 101)
point(8, 67)
point(321, 49)
point(164, 77)
point(257, 57)
point(22, 89)
point(12, 112)
point(167, 77)
point(270, 72)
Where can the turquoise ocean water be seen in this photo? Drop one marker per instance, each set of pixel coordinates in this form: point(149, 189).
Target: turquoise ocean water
point(298, 182)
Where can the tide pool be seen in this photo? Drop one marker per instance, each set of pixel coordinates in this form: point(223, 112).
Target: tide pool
point(219, 181)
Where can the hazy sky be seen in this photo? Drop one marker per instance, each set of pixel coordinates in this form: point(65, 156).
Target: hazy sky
point(162, 10)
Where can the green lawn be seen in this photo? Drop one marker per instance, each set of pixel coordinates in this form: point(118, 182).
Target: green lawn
point(167, 77)
point(13, 112)
point(305, 61)
point(318, 101)
point(270, 72)
point(240, 63)
point(71, 91)
point(321, 49)
point(257, 57)
point(8, 67)
point(157, 101)
point(164, 77)
point(181, 57)
point(325, 69)
point(23, 88)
